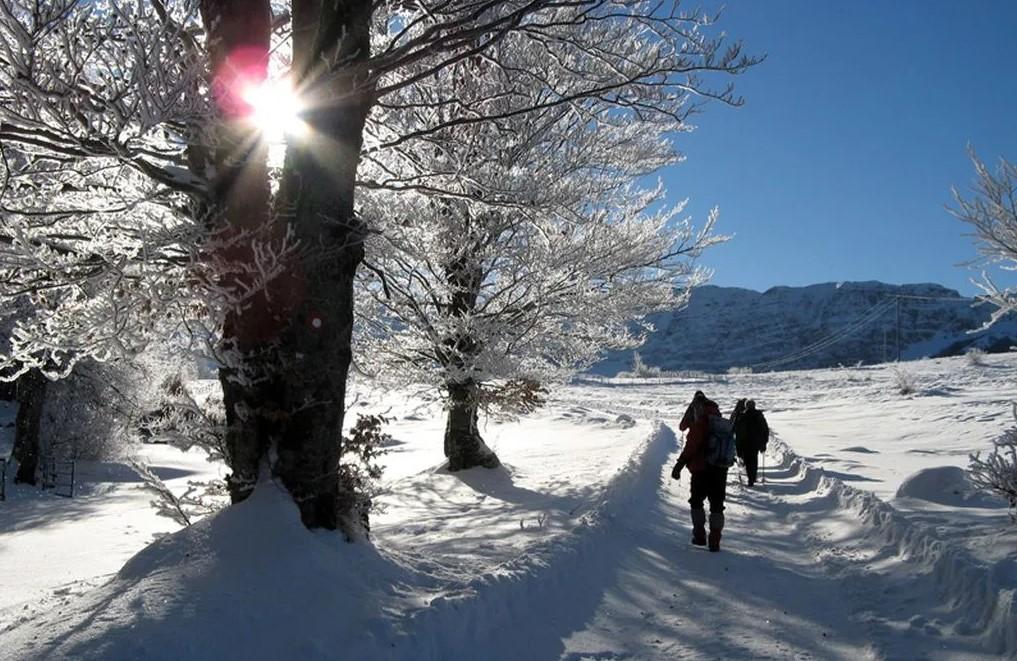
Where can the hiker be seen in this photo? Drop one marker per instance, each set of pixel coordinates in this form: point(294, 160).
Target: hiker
point(708, 482)
point(751, 435)
point(737, 411)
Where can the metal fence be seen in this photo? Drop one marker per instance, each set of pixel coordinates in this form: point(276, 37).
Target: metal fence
point(58, 476)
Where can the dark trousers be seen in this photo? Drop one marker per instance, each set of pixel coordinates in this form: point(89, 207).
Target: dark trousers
point(751, 460)
point(709, 484)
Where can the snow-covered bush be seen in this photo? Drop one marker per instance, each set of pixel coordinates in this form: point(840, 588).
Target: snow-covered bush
point(904, 380)
point(997, 472)
point(640, 370)
point(359, 472)
point(90, 415)
point(975, 356)
point(180, 418)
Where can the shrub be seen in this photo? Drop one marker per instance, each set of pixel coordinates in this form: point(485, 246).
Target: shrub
point(975, 356)
point(90, 414)
point(640, 370)
point(904, 380)
point(359, 472)
point(997, 472)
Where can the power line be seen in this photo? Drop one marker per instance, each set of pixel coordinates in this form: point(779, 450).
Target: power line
point(873, 313)
point(870, 315)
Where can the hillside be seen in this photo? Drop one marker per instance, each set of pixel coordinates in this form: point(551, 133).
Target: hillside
point(822, 325)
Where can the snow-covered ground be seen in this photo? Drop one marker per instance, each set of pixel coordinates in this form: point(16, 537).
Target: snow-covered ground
point(863, 543)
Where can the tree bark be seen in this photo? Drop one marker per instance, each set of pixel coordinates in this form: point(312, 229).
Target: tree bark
point(464, 446)
point(316, 201)
point(31, 397)
point(294, 340)
point(238, 216)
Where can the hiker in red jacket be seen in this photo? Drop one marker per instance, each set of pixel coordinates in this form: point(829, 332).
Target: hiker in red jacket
point(708, 482)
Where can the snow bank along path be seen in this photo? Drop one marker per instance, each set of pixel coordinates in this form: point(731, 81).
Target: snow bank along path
point(810, 569)
point(882, 540)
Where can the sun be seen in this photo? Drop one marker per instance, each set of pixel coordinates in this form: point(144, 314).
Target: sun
point(275, 110)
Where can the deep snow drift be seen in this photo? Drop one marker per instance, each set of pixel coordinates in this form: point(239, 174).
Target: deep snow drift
point(865, 542)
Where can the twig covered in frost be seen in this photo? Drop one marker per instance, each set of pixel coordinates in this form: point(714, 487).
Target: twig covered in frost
point(992, 213)
point(997, 472)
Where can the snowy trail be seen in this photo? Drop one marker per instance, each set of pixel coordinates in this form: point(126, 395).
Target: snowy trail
point(763, 596)
point(799, 577)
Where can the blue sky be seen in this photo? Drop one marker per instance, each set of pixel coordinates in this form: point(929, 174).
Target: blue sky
point(840, 163)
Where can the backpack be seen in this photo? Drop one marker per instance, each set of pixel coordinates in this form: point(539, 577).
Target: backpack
point(720, 445)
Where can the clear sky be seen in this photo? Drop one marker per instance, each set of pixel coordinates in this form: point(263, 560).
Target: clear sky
point(840, 163)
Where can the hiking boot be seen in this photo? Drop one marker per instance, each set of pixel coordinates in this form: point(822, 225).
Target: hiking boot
point(699, 527)
point(716, 525)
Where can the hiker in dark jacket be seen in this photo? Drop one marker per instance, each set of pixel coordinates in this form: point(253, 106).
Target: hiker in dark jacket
point(751, 435)
point(737, 411)
point(708, 482)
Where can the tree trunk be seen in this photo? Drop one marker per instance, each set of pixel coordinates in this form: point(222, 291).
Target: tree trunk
point(285, 398)
point(238, 215)
point(464, 446)
point(316, 201)
point(31, 396)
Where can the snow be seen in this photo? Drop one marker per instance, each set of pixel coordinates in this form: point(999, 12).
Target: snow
point(866, 540)
point(947, 485)
point(67, 544)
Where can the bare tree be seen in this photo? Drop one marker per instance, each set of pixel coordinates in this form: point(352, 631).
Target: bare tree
point(992, 214)
point(138, 188)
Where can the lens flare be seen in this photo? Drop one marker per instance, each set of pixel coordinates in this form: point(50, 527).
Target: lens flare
point(275, 110)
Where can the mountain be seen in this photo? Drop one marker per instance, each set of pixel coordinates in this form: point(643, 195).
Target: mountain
point(823, 325)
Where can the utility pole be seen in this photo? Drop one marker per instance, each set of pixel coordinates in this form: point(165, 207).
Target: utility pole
point(898, 329)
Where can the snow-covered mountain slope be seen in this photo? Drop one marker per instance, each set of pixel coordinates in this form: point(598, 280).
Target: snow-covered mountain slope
point(821, 325)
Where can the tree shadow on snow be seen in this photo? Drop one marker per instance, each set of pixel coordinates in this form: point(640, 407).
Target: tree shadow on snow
point(29, 507)
point(471, 521)
point(498, 483)
point(849, 477)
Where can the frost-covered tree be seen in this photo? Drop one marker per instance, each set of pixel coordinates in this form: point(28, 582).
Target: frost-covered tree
point(997, 471)
point(516, 251)
point(992, 214)
point(139, 191)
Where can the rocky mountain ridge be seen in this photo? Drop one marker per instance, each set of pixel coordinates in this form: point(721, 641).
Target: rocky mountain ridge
point(821, 325)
